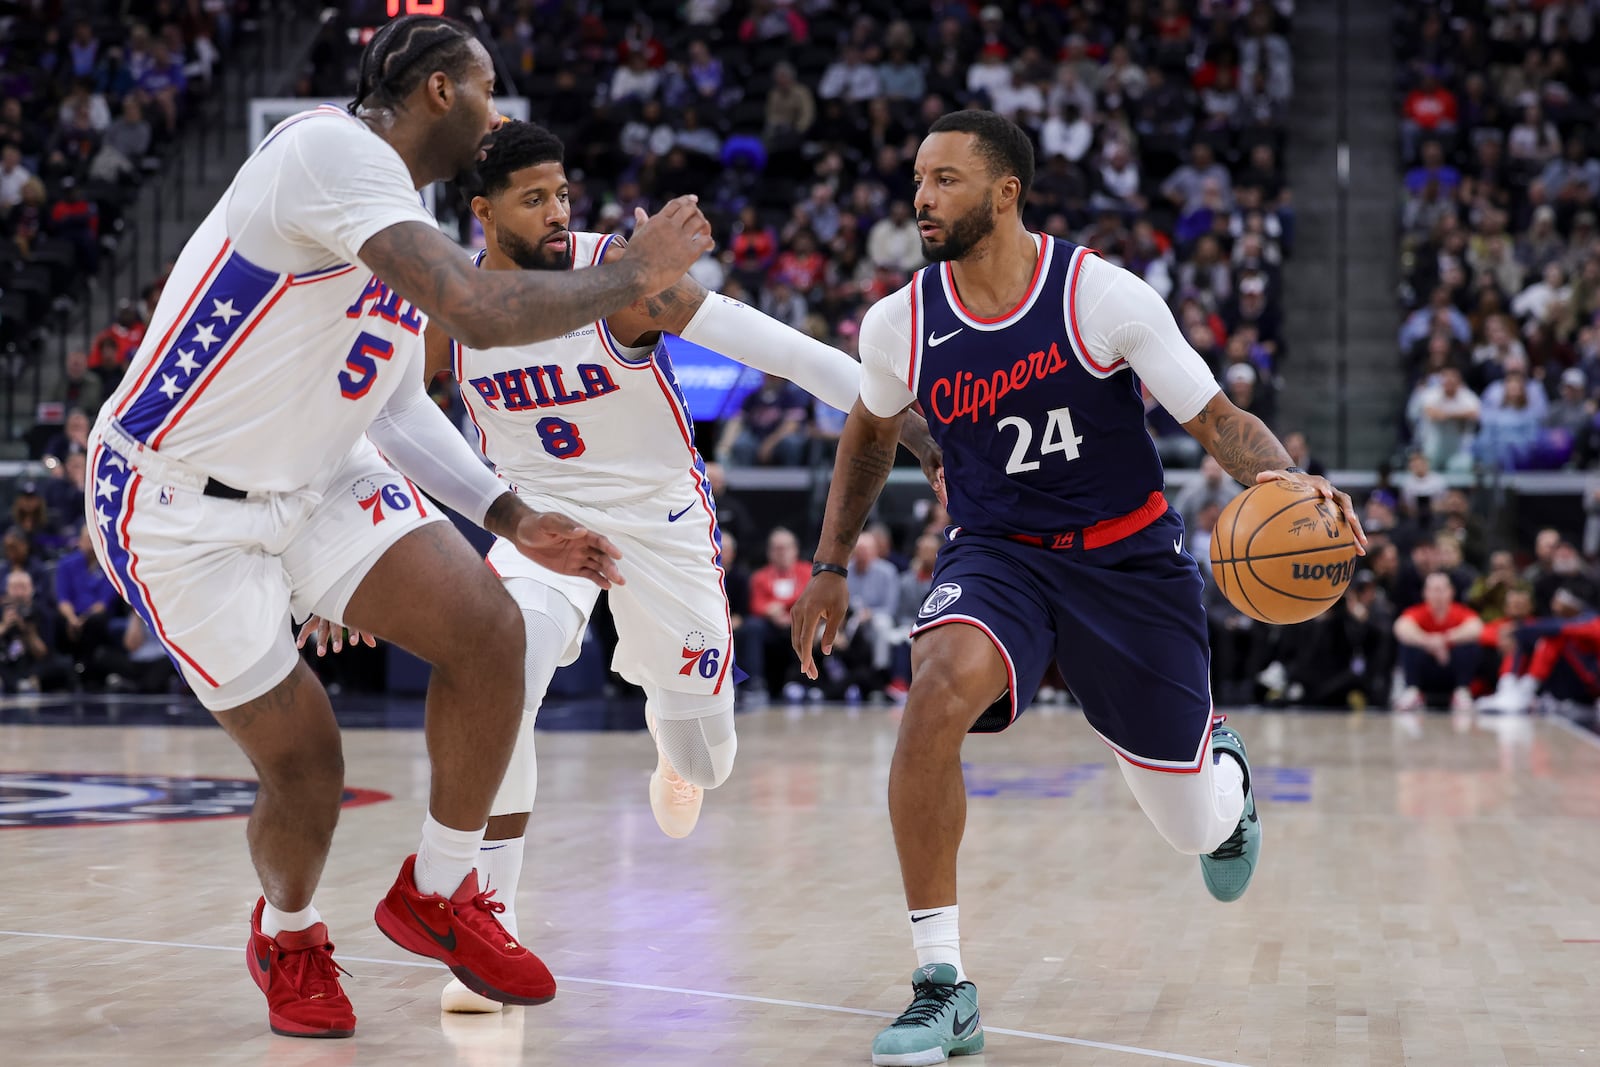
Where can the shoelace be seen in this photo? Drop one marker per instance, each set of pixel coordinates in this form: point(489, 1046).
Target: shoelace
point(480, 912)
point(1233, 847)
point(683, 790)
point(313, 971)
point(927, 1001)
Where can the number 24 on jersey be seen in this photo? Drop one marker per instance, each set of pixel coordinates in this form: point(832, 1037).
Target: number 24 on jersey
point(1058, 437)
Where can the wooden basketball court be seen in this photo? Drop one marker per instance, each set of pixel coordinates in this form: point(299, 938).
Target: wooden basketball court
point(1426, 897)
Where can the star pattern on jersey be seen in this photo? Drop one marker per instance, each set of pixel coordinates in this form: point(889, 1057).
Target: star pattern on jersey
point(169, 386)
point(101, 518)
point(104, 487)
point(186, 361)
point(205, 336)
point(116, 462)
point(223, 309)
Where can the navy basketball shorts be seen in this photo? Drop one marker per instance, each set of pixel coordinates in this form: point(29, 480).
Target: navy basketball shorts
point(1124, 621)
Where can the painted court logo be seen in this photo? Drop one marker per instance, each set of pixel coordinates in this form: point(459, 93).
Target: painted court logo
point(36, 799)
point(939, 599)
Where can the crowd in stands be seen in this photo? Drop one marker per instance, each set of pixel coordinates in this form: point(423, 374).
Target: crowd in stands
point(1159, 130)
point(91, 96)
point(1500, 248)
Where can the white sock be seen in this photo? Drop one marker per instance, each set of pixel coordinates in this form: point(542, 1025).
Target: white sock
point(936, 935)
point(275, 922)
point(445, 856)
point(1229, 772)
point(500, 869)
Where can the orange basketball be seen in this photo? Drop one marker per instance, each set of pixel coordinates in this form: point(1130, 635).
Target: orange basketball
point(1281, 553)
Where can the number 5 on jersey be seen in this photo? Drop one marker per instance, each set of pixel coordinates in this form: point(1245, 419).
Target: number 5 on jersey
point(1058, 437)
point(361, 365)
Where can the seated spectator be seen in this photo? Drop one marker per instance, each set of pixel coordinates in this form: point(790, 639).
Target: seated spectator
point(851, 78)
point(81, 387)
point(1212, 487)
point(771, 427)
point(894, 239)
point(74, 435)
point(31, 520)
point(17, 555)
point(64, 493)
point(1558, 656)
point(1508, 430)
point(142, 666)
point(27, 632)
point(1438, 642)
point(774, 589)
point(1445, 415)
point(87, 604)
point(1344, 657)
point(1299, 450)
point(874, 594)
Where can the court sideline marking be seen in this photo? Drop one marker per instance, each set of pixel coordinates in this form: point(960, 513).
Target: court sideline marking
point(839, 1009)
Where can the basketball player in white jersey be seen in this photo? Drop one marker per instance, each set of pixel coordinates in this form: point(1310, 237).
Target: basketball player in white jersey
point(593, 424)
point(237, 482)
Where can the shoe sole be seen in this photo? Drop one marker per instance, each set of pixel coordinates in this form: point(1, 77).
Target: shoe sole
point(467, 978)
point(465, 1002)
point(970, 1046)
point(284, 1031)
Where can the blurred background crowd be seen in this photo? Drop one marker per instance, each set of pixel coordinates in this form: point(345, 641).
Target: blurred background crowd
point(1161, 128)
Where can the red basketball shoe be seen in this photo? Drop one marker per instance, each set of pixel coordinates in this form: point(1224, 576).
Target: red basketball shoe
point(463, 933)
point(297, 972)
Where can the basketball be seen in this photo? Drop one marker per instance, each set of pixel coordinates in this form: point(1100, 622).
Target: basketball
point(1281, 553)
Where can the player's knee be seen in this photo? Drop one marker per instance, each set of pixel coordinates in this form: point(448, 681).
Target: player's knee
point(1191, 832)
point(315, 765)
point(696, 734)
point(940, 702)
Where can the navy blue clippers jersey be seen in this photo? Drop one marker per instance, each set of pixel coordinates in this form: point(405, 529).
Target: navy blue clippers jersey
point(1039, 435)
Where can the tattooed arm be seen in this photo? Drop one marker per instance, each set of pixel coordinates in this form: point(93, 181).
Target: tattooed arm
point(1251, 453)
point(1238, 440)
point(866, 455)
point(491, 308)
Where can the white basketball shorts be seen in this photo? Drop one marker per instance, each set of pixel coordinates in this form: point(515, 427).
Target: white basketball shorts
point(216, 580)
point(673, 629)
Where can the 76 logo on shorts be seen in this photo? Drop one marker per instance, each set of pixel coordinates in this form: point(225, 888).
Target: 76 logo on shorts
point(374, 498)
point(698, 657)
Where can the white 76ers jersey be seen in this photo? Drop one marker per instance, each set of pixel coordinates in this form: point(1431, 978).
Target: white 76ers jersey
point(580, 416)
point(272, 347)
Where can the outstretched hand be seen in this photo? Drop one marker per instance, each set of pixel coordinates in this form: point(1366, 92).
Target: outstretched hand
point(555, 541)
point(1325, 488)
point(826, 600)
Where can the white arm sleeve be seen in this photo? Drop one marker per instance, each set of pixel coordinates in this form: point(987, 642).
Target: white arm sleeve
point(1122, 319)
point(316, 192)
point(415, 436)
point(886, 355)
point(741, 332)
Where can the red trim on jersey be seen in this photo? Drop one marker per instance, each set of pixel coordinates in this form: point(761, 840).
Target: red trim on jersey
point(1072, 315)
point(1033, 284)
point(422, 510)
point(999, 646)
point(916, 334)
point(1103, 533)
point(183, 316)
point(711, 514)
point(216, 367)
point(320, 276)
point(133, 561)
point(1164, 768)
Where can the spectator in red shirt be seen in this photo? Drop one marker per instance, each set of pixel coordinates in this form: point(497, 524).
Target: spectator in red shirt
point(1430, 109)
point(773, 592)
point(1438, 641)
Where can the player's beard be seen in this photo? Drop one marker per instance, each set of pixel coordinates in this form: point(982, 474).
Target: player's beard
point(962, 235)
point(530, 256)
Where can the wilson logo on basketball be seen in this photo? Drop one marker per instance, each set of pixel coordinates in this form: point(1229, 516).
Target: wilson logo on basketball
point(1332, 573)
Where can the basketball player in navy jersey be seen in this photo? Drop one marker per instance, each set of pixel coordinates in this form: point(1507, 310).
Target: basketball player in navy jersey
point(1016, 346)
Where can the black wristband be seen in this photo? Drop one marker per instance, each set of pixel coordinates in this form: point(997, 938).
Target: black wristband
point(831, 568)
point(1293, 470)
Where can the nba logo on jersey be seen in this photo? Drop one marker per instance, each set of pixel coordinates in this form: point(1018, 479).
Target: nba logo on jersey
point(166, 494)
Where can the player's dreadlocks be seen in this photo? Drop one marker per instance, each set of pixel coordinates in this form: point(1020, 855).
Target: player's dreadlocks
point(513, 146)
point(392, 63)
